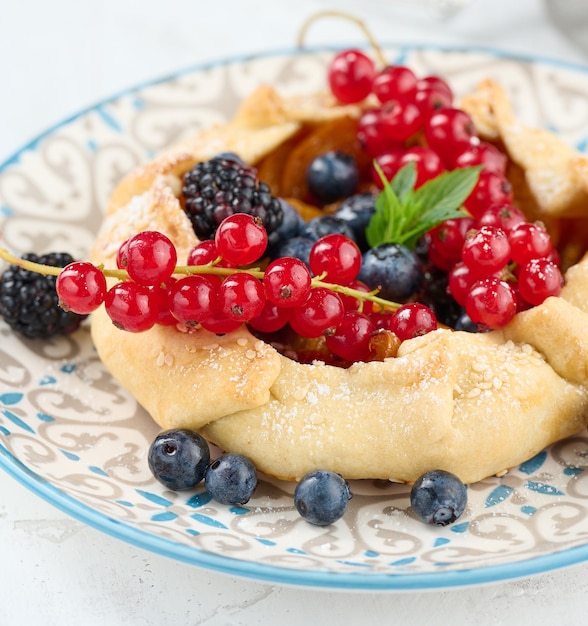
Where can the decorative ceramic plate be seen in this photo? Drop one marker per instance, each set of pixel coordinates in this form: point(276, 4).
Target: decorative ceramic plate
point(74, 437)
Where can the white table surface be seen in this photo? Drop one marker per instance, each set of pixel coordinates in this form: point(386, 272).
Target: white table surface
point(56, 570)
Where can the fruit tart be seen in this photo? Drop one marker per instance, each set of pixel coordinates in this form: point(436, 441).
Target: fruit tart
point(297, 323)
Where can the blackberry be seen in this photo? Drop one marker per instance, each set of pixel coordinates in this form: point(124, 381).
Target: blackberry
point(29, 302)
point(220, 187)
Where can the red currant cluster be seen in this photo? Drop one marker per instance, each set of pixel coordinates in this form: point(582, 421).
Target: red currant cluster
point(218, 290)
point(498, 263)
point(415, 120)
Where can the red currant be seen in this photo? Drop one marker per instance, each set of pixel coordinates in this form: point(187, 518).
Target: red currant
point(150, 257)
point(394, 82)
point(81, 287)
point(529, 241)
point(321, 313)
point(491, 188)
point(131, 306)
point(351, 303)
point(399, 120)
point(491, 303)
point(241, 239)
point(370, 134)
point(271, 319)
point(351, 339)
point(449, 132)
point(241, 297)
point(351, 74)
point(539, 279)
point(450, 235)
point(482, 153)
point(193, 299)
point(432, 94)
point(162, 293)
point(287, 282)
point(219, 324)
point(336, 256)
point(412, 320)
point(460, 280)
point(428, 163)
point(502, 215)
point(486, 251)
point(206, 252)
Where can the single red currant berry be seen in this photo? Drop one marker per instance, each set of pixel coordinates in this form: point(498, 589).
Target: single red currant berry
point(491, 303)
point(436, 83)
point(450, 235)
point(287, 282)
point(351, 339)
point(81, 287)
point(482, 153)
point(370, 134)
point(539, 279)
point(204, 253)
point(241, 297)
point(486, 251)
point(400, 120)
point(351, 74)
point(449, 132)
point(131, 306)
point(271, 319)
point(151, 257)
point(491, 188)
point(336, 256)
point(320, 314)
point(502, 215)
point(395, 82)
point(432, 93)
point(193, 299)
point(241, 239)
point(412, 320)
point(428, 163)
point(529, 241)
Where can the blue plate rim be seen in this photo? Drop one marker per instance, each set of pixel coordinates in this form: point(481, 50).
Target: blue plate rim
point(350, 581)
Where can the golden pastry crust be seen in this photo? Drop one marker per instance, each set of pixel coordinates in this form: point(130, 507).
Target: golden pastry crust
point(473, 404)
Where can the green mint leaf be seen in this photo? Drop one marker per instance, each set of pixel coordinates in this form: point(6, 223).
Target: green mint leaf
point(385, 223)
point(404, 214)
point(404, 180)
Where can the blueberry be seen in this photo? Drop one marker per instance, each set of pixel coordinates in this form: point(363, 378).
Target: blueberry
point(178, 458)
point(435, 295)
point(392, 268)
point(325, 225)
point(231, 479)
point(291, 224)
point(298, 247)
point(331, 176)
point(321, 497)
point(438, 497)
point(465, 323)
point(356, 211)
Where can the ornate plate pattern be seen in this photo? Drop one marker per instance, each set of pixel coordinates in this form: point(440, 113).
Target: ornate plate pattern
point(70, 434)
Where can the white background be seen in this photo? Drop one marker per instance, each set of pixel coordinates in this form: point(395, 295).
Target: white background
point(60, 56)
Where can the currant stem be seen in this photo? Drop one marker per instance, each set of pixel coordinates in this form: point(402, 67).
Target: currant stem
point(346, 16)
point(188, 270)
